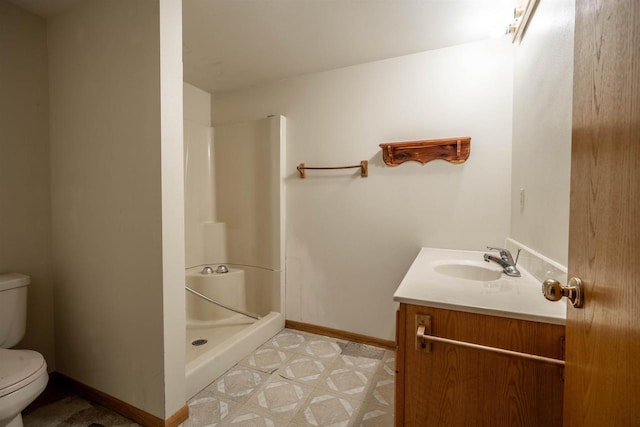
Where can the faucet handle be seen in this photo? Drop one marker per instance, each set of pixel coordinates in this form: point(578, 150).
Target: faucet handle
point(501, 250)
point(505, 254)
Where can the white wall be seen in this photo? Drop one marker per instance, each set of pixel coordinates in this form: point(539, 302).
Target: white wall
point(113, 184)
point(172, 209)
point(196, 105)
point(542, 130)
point(350, 239)
point(25, 225)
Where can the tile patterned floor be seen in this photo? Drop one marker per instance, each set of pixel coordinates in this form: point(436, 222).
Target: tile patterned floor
point(295, 379)
point(301, 379)
point(58, 407)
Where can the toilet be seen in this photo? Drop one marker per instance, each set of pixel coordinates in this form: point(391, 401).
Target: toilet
point(23, 373)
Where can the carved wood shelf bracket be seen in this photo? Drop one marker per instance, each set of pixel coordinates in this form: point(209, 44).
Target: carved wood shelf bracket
point(453, 150)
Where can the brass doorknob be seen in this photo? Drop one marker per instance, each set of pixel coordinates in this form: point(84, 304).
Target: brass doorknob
point(554, 291)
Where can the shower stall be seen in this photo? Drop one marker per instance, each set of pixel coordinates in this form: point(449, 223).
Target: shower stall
point(234, 243)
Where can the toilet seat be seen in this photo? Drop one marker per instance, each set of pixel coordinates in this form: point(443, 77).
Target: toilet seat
point(19, 368)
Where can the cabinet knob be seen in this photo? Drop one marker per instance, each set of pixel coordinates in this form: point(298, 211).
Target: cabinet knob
point(554, 291)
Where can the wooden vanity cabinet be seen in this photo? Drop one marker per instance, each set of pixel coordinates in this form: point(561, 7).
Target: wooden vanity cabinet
point(456, 386)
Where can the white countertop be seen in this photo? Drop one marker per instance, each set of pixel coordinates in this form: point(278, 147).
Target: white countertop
point(513, 297)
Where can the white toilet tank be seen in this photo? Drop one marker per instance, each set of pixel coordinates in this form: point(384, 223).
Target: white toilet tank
point(13, 308)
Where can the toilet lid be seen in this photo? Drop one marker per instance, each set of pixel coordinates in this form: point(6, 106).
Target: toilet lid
point(19, 368)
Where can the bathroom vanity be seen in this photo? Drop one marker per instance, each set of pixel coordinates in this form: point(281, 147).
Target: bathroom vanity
point(476, 347)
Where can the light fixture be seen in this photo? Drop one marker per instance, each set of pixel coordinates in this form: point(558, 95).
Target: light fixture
point(521, 15)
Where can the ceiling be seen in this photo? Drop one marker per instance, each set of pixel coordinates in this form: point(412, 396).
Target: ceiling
point(228, 44)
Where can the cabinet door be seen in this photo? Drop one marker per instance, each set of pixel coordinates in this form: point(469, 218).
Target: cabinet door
point(457, 386)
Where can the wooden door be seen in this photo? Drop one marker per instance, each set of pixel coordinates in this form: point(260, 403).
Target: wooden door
point(602, 375)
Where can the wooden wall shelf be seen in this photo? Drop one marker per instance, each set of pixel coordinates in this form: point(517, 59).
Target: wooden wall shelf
point(453, 150)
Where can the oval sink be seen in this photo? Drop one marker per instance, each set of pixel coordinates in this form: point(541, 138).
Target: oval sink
point(468, 271)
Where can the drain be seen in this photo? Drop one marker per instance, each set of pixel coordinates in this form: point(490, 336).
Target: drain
point(199, 342)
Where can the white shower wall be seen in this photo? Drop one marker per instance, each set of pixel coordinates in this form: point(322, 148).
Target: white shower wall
point(234, 197)
point(250, 201)
point(205, 238)
point(248, 191)
point(198, 158)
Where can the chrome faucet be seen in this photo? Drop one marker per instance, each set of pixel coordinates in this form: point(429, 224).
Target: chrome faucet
point(505, 261)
